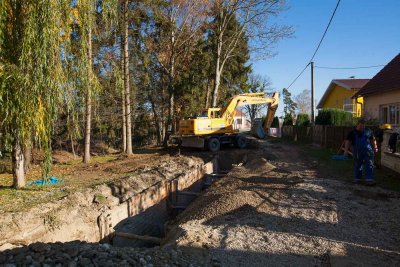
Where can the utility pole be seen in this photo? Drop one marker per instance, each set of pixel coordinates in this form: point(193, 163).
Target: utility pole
point(312, 93)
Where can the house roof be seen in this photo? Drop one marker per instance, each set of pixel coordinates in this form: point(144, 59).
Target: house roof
point(349, 84)
point(388, 79)
point(239, 113)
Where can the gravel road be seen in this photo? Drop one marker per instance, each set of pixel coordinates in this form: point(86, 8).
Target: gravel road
point(276, 210)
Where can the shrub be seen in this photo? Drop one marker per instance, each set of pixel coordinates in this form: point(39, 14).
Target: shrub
point(303, 120)
point(275, 123)
point(336, 117)
point(288, 120)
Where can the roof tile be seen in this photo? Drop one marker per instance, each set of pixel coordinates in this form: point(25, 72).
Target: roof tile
point(387, 79)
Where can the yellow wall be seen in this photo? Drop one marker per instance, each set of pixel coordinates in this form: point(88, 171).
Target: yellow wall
point(336, 97)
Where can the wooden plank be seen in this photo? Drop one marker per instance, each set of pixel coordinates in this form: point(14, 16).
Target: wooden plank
point(145, 238)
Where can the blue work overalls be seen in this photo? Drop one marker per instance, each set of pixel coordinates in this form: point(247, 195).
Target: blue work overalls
point(363, 152)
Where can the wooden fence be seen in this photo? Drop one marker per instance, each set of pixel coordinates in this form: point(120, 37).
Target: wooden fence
point(323, 135)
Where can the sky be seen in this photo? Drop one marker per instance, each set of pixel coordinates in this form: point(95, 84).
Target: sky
point(362, 33)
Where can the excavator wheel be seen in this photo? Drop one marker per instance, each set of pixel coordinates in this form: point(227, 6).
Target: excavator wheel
point(241, 142)
point(213, 144)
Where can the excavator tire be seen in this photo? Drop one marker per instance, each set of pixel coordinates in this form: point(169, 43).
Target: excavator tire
point(213, 144)
point(241, 142)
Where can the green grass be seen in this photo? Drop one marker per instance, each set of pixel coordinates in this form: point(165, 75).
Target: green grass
point(93, 160)
point(13, 200)
point(344, 170)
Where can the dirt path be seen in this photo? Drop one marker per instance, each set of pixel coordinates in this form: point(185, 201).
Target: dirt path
point(278, 210)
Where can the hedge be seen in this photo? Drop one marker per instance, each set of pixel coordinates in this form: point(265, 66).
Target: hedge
point(336, 117)
point(303, 120)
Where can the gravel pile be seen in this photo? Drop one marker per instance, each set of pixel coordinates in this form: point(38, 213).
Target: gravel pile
point(86, 254)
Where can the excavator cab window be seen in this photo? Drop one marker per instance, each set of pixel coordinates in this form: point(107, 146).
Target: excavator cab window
point(203, 114)
point(215, 114)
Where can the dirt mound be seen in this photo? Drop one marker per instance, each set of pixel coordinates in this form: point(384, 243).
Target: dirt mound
point(216, 205)
point(101, 148)
point(259, 165)
point(62, 156)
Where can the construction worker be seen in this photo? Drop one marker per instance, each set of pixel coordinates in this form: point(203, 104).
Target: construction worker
point(364, 146)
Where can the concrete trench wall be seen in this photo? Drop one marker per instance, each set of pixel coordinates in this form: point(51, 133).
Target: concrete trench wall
point(79, 218)
point(145, 213)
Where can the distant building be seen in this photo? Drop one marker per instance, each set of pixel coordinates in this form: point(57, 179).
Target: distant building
point(241, 122)
point(339, 95)
point(382, 94)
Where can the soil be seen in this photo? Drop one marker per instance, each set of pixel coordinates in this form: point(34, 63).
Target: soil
point(278, 209)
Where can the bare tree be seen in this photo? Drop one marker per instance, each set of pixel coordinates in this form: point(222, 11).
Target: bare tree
point(303, 101)
point(253, 18)
point(182, 21)
point(88, 109)
point(257, 84)
point(127, 95)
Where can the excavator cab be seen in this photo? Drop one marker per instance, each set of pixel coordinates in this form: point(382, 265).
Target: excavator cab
point(210, 113)
point(214, 113)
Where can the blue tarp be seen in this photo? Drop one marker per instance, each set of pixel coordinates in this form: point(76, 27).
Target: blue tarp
point(51, 181)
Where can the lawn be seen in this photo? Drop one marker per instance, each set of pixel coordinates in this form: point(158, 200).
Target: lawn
point(343, 170)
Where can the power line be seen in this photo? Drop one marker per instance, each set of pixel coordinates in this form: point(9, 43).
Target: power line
point(350, 68)
point(319, 44)
point(301, 72)
point(326, 30)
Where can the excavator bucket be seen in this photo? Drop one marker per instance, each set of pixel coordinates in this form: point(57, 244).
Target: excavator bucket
point(257, 129)
point(272, 107)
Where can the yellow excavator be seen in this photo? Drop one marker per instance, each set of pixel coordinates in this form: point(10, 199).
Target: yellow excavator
point(214, 126)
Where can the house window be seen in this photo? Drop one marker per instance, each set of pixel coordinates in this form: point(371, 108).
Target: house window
point(239, 121)
point(348, 105)
point(390, 113)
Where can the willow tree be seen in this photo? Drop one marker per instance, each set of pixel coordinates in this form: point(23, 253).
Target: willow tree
point(31, 75)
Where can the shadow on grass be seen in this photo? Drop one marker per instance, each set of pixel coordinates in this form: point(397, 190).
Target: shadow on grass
point(343, 170)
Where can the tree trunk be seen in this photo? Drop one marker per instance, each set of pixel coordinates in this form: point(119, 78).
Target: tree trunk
point(156, 119)
point(171, 89)
point(72, 146)
point(218, 71)
point(216, 85)
point(171, 115)
point(123, 122)
point(18, 164)
point(126, 83)
point(27, 157)
point(208, 94)
point(88, 112)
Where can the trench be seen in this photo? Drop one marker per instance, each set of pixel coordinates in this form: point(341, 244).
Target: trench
point(151, 223)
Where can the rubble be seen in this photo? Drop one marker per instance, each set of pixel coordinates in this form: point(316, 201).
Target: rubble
point(90, 254)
